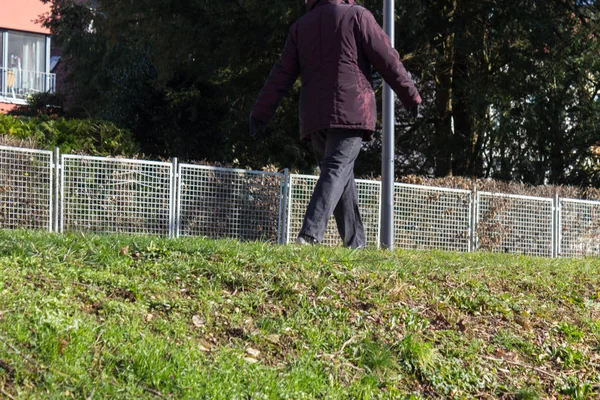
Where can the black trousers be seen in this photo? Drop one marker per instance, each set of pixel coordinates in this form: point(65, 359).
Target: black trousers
point(335, 193)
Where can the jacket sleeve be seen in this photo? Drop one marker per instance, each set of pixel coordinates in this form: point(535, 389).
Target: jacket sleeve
point(378, 49)
point(280, 80)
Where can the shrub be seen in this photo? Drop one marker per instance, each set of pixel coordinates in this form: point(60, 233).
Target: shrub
point(43, 103)
point(70, 135)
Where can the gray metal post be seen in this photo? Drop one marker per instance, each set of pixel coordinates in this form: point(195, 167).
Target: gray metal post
point(387, 168)
point(56, 203)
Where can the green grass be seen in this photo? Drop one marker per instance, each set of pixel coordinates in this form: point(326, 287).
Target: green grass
point(94, 317)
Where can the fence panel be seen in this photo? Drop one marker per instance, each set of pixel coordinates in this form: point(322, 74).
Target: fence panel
point(220, 202)
point(580, 228)
point(515, 224)
point(143, 197)
point(116, 195)
point(431, 218)
point(25, 188)
point(300, 191)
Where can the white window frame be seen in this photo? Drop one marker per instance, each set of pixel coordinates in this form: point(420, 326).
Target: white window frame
point(4, 34)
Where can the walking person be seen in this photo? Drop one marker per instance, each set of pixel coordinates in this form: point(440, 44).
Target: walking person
point(333, 48)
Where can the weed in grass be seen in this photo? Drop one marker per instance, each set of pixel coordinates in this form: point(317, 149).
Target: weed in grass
point(571, 332)
point(368, 387)
point(594, 326)
point(453, 344)
point(565, 356)
point(376, 358)
point(577, 390)
point(509, 341)
point(414, 322)
point(473, 302)
point(456, 377)
point(415, 355)
point(152, 251)
point(527, 393)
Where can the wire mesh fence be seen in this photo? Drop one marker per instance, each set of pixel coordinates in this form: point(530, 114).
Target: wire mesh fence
point(431, 218)
point(220, 202)
point(300, 192)
point(25, 188)
point(116, 195)
point(144, 197)
point(579, 228)
point(515, 224)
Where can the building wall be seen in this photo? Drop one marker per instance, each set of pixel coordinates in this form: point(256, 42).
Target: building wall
point(5, 108)
point(21, 15)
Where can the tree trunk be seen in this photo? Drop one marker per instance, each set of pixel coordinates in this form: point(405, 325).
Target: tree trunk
point(444, 71)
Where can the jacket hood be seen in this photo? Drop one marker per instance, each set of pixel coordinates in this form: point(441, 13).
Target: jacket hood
point(310, 4)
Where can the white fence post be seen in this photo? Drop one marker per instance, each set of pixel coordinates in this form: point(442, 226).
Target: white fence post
point(178, 187)
point(61, 199)
point(556, 226)
point(288, 222)
point(282, 226)
point(473, 221)
point(380, 196)
point(173, 199)
point(56, 194)
point(559, 228)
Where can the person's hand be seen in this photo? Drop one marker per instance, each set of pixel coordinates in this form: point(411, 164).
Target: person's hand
point(257, 127)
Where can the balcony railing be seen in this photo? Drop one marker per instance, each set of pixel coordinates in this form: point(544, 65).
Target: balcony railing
point(16, 85)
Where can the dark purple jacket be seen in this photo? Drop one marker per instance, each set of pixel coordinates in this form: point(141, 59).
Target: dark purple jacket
point(333, 48)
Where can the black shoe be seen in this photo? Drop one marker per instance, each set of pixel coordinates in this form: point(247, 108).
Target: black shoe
point(303, 240)
point(361, 246)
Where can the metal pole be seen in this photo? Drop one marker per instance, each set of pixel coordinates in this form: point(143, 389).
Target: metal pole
point(387, 159)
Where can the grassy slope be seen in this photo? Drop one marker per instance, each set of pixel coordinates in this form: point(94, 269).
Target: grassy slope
point(122, 317)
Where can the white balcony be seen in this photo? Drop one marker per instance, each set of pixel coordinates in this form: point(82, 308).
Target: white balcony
point(16, 85)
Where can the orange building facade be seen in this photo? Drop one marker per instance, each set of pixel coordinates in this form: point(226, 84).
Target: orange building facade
point(25, 62)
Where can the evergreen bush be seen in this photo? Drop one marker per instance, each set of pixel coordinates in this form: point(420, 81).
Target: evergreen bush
point(83, 136)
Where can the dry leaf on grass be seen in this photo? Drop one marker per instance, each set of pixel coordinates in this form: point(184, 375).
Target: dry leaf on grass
point(204, 346)
point(253, 352)
point(273, 339)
